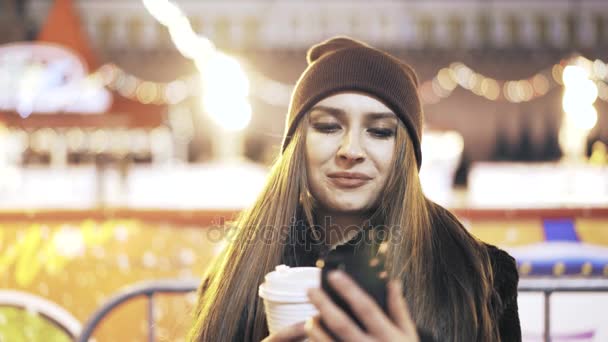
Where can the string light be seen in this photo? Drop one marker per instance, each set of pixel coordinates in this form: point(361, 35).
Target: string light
point(439, 87)
point(76, 139)
point(490, 89)
point(556, 72)
point(144, 91)
point(175, 92)
point(602, 89)
point(127, 85)
point(600, 69)
point(147, 92)
point(446, 77)
point(541, 84)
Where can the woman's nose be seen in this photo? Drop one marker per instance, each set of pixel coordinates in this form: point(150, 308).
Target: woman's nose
point(351, 149)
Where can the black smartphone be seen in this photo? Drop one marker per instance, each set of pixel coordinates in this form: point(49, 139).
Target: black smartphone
point(366, 270)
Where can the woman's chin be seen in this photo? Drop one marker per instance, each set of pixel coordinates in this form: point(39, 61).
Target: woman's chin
point(347, 203)
point(351, 208)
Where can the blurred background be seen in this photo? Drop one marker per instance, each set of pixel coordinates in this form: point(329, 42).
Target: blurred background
point(132, 131)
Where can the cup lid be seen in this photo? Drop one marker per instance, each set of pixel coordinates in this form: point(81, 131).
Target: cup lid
point(289, 284)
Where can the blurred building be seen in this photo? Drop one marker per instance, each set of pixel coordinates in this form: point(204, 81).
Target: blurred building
point(504, 40)
point(75, 230)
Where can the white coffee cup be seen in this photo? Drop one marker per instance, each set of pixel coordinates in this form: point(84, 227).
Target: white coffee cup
point(284, 295)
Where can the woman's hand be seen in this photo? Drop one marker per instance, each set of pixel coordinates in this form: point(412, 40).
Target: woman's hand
point(398, 327)
point(292, 333)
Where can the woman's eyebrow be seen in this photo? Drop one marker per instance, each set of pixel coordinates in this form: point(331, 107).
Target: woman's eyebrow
point(328, 110)
point(379, 116)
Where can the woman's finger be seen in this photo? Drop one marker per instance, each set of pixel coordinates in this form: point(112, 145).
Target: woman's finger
point(334, 318)
point(364, 307)
point(315, 331)
point(397, 307)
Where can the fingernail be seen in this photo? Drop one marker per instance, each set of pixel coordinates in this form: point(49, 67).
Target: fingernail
point(336, 275)
point(308, 324)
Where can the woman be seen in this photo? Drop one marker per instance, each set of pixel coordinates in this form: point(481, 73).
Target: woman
point(349, 164)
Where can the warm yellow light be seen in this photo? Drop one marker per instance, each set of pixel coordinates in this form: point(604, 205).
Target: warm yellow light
point(573, 74)
point(222, 75)
point(188, 43)
point(99, 141)
point(527, 91)
point(462, 72)
point(43, 139)
point(541, 84)
point(513, 91)
point(147, 92)
point(176, 91)
point(75, 139)
point(557, 72)
point(599, 69)
point(574, 99)
point(164, 11)
point(121, 142)
point(570, 103)
point(506, 92)
point(579, 95)
point(108, 74)
point(184, 37)
point(582, 92)
point(478, 86)
point(490, 88)
point(579, 114)
point(226, 87)
point(446, 78)
point(472, 81)
point(584, 118)
point(454, 143)
point(126, 85)
point(588, 92)
point(440, 90)
point(230, 114)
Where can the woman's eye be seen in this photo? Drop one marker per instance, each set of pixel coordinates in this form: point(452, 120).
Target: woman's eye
point(382, 132)
point(326, 127)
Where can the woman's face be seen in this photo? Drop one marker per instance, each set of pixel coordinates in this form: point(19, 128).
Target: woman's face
point(349, 149)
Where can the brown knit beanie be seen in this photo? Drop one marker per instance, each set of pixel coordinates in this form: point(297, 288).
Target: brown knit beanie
point(344, 64)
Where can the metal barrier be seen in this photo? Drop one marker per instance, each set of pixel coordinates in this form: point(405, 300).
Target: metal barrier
point(49, 311)
point(148, 289)
point(547, 286)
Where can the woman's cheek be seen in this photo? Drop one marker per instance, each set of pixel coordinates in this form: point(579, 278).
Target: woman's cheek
point(321, 147)
point(381, 153)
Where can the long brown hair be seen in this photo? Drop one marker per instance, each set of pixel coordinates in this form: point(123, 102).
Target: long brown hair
point(446, 272)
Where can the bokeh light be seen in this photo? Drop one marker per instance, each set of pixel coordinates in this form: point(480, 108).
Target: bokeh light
point(225, 88)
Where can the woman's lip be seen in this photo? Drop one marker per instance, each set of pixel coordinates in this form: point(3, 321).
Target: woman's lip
point(356, 175)
point(344, 182)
